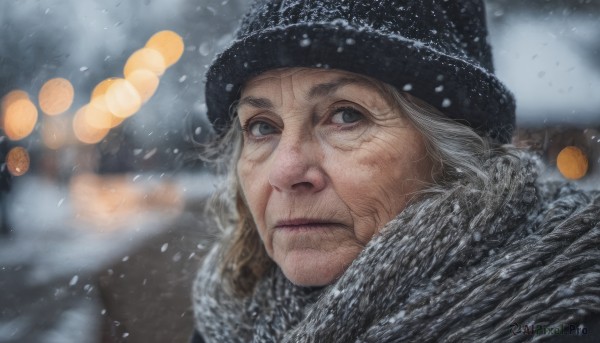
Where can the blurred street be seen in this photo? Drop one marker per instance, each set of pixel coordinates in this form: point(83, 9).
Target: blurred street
point(69, 277)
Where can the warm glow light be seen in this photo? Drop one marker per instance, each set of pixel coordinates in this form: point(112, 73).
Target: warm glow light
point(98, 115)
point(17, 161)
point(145, 82)
point(13, 96)
point(145, 58)
point(111, 202)
point(572, 163)
point(102, 87)
point(84, 132)
point(123, 99)
point(19, 118)
point(169, 44)
point(56, 96)
point(54, 132)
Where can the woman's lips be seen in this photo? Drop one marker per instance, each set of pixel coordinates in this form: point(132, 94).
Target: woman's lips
point(304, 225)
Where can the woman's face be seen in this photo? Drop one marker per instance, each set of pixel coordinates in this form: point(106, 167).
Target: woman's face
point(326, 162)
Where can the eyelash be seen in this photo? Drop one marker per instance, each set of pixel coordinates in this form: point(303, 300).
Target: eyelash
point(248, 123)
point(253, 120)
point(336, 110)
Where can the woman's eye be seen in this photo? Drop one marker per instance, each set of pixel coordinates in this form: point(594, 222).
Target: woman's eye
point(346, 116)
point(261, 128)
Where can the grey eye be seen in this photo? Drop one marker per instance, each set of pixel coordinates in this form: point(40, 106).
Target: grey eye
point(261, 128)
point(346, 115)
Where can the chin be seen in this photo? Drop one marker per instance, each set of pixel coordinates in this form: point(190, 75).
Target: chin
point(309, 268)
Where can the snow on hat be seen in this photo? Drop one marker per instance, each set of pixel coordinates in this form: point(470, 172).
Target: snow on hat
point(436, 50)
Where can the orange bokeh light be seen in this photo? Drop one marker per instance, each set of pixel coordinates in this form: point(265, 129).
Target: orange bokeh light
point(145, 58)
point(572, 163)
point(84, 132)
point(13, 96)
point(98, 115)
point(56, 96)
point(54, 132)
point(145, 82)
point(122, 99)
point(169, 44)
point(19, 118)
point(17, 161)
point(102, 87)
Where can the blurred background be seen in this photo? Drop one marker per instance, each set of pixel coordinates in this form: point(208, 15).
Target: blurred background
point(101, 216)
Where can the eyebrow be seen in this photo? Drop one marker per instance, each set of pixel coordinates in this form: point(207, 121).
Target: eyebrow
point(319, 90)
point(261, 103)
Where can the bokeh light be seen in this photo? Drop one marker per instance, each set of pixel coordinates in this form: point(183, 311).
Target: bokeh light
point(112, 200)
point(84, 132)
point(99, 107)
point(145, 59)
point(56, 96)
point(122, 99)
point(99, 116)
point(19, 118)
point(145, 82)
point(11, 97)
point(169, 44)
point(572, 163)
point(102, 87)
point(111, 102)
point(17, 161)
point(54, 132)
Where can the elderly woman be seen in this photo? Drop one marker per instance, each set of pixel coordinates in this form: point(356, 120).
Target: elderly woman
point(370, 197)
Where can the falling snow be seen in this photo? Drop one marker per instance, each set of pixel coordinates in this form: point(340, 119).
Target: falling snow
point(305, 42)
point(150, 153)
point(74, 280)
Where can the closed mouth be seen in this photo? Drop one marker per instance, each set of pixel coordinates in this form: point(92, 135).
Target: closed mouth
point(304, 224)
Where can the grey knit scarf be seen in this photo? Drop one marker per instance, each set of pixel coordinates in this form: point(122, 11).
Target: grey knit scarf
point(474, 262)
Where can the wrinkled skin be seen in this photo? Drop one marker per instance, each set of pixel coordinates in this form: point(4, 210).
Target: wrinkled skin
point(326, 162)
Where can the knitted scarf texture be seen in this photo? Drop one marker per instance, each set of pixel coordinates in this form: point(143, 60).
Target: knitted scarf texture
point(490, 261)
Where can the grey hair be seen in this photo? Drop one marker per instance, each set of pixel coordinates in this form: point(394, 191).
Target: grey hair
point(455, 149)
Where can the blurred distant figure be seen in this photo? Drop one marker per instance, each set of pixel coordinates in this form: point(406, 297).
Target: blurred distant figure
point(4, 187)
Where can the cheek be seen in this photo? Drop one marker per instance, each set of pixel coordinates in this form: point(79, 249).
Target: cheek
point(377, 180)
point(252, 181)
point(404, 170)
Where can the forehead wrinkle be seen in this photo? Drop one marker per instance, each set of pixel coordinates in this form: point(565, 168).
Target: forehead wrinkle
point(326, 89)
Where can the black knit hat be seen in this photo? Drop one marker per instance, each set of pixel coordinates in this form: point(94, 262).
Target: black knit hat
point(436, 50)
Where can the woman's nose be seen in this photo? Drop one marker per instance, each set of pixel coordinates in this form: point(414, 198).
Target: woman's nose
point(296, 166)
